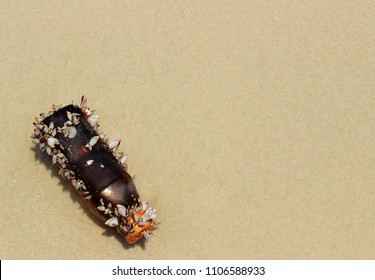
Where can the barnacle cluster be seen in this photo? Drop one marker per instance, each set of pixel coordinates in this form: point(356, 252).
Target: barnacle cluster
point(132, 221)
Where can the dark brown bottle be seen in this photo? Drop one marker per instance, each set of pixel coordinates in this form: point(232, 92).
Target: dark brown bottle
point(95, 168)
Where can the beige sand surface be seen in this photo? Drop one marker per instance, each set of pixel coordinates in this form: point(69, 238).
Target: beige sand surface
point(250, 125)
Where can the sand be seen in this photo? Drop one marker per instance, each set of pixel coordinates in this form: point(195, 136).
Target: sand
point(249, 125)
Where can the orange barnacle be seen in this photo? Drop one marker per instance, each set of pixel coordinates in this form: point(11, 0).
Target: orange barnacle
point(138, 232)
point(141, 221)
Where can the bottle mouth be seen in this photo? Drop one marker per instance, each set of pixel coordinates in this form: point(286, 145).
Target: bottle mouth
point(136, 225)
point(138, 231)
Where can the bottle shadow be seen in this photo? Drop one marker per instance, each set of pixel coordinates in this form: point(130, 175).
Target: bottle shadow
point(67, 187)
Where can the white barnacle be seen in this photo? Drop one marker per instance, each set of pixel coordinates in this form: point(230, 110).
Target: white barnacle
point(144, 205)
point(145, 218)
point(54, 159)
point(51, 125)
point(89, 162)
point(121, 210)
point(101, 208)
point(114, 144)
point(45, 129)
point(72, 132)
point(69, 131)
point(69, 115)
point(86, 111)
point(67, 174)
point(92, 142)
point(51, 142)
point(89, 112)
point(124, 158)
point(141, 223)
point(93, 120)
point(112, 222)
point(80, 185)
point(49, 151)
point(39, 126)
point(151, 212)
point(73, 181)
point(76, 184)
point(119, 155)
